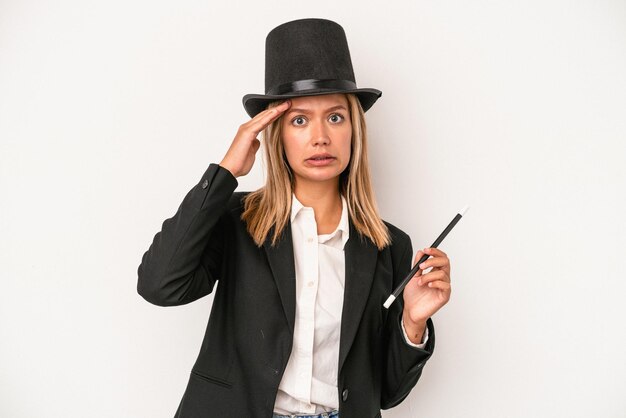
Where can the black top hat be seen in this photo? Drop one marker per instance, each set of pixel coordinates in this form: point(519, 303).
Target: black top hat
point(307, 57)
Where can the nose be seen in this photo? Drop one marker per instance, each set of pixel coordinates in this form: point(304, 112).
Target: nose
point(320, 134)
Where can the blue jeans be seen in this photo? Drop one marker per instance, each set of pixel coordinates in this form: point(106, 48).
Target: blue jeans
point(331, 414)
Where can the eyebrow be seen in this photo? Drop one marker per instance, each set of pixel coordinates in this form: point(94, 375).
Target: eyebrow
point(309, 111)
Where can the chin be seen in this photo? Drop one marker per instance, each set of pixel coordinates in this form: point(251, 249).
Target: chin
point(319, 176)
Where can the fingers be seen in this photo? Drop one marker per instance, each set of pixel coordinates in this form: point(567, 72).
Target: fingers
point(418, 255)
point(417, 258)
point(434, 275)
point(434, 252)
point(435, 262)
point(439, 260)
point(436, 281)
point(240, 155)
point(264, 118)
point(440, 285)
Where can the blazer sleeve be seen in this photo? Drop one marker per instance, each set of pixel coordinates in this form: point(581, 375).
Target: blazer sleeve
point(183, 261)
point(404, 363)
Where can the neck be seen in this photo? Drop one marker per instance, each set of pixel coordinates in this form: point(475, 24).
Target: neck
point(325, 200)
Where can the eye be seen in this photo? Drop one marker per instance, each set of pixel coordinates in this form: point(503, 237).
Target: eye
point(336, 118)
point(298, 121)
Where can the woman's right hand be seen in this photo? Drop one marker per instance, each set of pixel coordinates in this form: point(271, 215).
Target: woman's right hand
point(240, 156)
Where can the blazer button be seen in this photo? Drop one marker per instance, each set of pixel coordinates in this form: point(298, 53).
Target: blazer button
point(205, 184)
point(344, 395)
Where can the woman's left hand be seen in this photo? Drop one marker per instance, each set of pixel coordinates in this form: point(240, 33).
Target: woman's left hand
point(426, 293)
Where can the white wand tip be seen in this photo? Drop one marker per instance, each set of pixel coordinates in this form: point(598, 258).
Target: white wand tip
point(462, 212)
point(389, 301)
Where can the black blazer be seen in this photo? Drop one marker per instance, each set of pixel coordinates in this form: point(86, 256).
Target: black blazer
point(249, 335)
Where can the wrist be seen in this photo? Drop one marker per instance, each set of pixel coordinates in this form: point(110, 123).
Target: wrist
point(414, 329)
point(225, 166)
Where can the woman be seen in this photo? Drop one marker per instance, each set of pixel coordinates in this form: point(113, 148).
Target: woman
point(304, 264)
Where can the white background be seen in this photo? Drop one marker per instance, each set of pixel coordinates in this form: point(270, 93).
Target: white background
point(111, 111)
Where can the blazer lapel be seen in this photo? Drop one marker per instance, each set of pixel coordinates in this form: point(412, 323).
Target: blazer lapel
point(360, 255)
point(281, 262)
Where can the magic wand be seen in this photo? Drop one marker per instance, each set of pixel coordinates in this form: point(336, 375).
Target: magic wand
point(416, 268)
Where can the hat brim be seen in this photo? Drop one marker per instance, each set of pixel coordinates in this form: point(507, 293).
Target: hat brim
point(256, 103)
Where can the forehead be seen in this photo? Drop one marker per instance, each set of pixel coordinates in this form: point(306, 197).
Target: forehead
point(321, 101)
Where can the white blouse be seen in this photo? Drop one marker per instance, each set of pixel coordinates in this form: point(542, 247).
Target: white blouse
point(309, 384)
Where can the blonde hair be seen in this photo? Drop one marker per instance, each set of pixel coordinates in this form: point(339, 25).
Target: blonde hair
point(267, 209)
